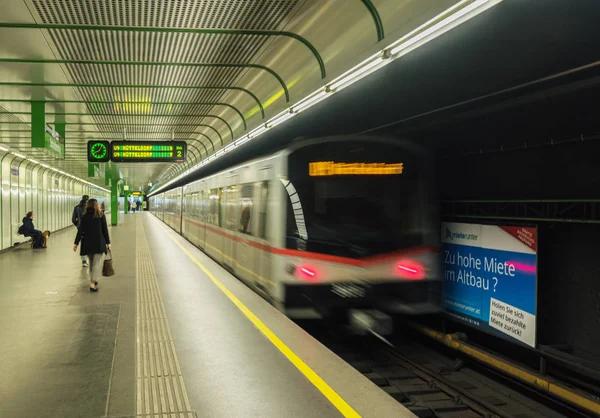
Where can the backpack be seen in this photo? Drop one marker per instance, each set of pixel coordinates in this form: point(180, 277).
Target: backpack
point(21, 230)
point(77, 214)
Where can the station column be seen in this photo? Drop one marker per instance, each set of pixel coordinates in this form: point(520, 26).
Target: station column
point(114, 202)
point(126, 198)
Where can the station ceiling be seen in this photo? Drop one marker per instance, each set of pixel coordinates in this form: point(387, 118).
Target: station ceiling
point(522, 74)
point(205, 71)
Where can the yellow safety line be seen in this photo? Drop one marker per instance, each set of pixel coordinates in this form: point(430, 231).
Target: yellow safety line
point(333, 397)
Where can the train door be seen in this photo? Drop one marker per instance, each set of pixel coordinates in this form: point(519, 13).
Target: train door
point(179, 197)
point(231, 194)
point(263, 266)
point(246, 226)
point(202, 209)
point(186, 211)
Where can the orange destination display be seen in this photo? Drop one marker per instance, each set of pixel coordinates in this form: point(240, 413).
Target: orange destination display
point(330, 168)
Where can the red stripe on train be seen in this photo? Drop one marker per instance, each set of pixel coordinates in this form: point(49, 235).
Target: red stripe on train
point(318, 256)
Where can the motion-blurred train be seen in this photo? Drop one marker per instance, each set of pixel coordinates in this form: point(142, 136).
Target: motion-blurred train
point(321, 227)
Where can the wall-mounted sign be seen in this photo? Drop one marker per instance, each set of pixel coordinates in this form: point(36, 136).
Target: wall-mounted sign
point(47, 138)
point(330, 168)
point(137, 151)
point(490, 278)
point(54, 142)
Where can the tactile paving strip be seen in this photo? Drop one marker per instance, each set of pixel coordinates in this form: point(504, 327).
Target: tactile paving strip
point(160, 390)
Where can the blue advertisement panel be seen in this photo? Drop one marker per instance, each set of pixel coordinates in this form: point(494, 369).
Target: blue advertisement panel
point(490, 278)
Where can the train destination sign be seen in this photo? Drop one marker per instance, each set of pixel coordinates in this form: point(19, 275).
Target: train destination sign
point(330, 168)
point(137, 151)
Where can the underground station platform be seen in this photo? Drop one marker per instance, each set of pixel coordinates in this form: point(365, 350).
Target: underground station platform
point(358, 208)
point(171, 334)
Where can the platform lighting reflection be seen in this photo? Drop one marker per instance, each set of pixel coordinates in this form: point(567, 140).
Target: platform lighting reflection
point(450, 18)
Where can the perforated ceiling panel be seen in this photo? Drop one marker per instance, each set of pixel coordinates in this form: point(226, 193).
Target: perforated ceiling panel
point(222, 14)
point(163, 109)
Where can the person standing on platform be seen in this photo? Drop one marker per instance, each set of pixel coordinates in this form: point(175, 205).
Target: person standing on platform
point(78, 212)
point(133, 206)
point(93, 231)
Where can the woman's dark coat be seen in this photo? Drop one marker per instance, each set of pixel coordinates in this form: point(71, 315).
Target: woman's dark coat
point(94, 233)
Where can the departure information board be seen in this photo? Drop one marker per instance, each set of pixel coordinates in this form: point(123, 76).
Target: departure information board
point(148, 151)
point(137, 151)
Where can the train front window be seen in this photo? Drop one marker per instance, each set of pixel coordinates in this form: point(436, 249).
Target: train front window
point(351, 213)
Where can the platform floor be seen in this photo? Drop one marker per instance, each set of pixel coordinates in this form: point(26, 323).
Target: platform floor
point(170, 335)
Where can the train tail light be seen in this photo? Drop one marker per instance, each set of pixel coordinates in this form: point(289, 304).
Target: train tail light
point(303, 273)
point(411, 270)
point(307, 272)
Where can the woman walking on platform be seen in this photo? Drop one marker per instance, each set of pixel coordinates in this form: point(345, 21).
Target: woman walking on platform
point(93, 230)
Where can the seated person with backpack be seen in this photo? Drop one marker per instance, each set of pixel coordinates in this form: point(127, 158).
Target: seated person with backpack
point(28, 230)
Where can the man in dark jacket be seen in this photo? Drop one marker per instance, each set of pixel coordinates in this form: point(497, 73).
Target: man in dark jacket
point(29, 230)
point(78, 212)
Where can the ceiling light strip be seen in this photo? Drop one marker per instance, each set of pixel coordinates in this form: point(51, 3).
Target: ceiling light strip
point(445, 21)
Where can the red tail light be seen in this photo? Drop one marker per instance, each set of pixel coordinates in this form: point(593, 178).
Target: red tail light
point(308, 272)
point(410, 269)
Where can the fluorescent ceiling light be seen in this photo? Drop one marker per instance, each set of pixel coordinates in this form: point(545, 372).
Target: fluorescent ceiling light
point(309, 101)
point(357, 72)
point(3, 148)
point(242, 140)
point(19, 155)
point(257, 132)
point(34, 161)
point(282, 117)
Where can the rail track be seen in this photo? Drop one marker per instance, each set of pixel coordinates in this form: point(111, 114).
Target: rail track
point(432, 381)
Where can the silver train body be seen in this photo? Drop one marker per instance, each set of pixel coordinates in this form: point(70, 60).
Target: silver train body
point(317, 237)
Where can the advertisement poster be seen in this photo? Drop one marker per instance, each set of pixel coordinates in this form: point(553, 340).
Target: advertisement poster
point(490, 278)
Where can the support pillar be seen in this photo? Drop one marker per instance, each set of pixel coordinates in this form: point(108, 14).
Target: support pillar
point(126, 198)
point(92, 170)
point(114, 202)
point(38, 124)
point(60, 125)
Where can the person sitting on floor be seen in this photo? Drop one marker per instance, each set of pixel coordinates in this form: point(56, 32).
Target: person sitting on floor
point(28, 230)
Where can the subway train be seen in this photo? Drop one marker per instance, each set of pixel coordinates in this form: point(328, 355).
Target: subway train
point(321, 227)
